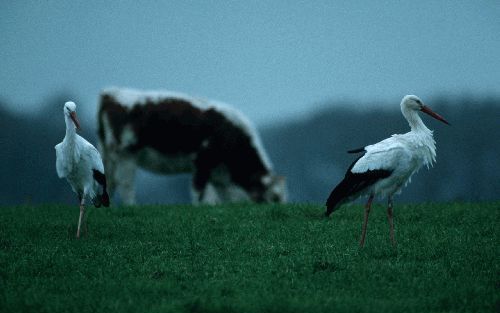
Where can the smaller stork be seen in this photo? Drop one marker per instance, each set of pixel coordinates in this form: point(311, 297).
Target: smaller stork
point(80, 163)
point(387, 166)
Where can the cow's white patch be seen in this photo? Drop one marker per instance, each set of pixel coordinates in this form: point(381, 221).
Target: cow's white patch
point(210, 195)
point(130, 97)
point(124, 176)
point(109, 138)
point(128, 137)
point(267, 180)
point(224, 187)
point(233, 193)
point(217, 194)
point(279, 189)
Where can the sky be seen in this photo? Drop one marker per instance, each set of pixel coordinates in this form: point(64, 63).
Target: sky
point(273, 60)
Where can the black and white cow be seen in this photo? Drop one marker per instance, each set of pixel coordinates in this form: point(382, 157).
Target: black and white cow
point(166, 132)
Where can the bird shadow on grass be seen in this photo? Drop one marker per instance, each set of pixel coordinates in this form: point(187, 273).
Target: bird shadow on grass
point(72, 228)
point(324, 266)
point(377, 252)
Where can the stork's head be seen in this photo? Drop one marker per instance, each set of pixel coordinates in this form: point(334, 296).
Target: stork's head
point(413, 103)
point(70, 111)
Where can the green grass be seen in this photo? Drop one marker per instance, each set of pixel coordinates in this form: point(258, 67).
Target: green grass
point(250, 258)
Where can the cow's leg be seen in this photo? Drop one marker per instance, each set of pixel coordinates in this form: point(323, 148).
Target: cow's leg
point(198, 186)
point(204, 164)
point(109, 159)
point(210, 195)
point(196, 193)
point(206, 194)
point(107, 145)
point(124, 176)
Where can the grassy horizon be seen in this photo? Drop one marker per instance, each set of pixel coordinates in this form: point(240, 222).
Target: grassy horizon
point(250, 258)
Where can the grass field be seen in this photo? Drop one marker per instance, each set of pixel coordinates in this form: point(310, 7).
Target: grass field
point(250, 258)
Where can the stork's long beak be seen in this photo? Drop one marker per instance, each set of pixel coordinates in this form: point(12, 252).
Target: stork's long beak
point(428, 110)
point(75, 120)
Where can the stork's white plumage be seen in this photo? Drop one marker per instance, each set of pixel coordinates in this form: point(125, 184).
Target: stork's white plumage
point(80, 163)
point(387, 166)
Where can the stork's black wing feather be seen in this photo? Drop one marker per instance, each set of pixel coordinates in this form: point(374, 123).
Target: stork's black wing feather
point(102, 198)
point(352, 185)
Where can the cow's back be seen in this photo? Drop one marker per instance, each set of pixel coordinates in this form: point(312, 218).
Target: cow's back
point(171, 126)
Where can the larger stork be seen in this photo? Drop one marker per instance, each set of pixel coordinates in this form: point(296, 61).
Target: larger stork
point(387, 166)
point(80, 163)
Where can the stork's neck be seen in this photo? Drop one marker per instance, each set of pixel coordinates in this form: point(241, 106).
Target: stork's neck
point(70, 128)
point(415, 121)
point(421, 136)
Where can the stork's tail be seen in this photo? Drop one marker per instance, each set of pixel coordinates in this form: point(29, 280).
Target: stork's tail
point(353, 185)
point(103, 197)
point(338, 196)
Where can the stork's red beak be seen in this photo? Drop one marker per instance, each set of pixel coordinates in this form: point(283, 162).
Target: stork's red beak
point(75, 120)
point(428, 110)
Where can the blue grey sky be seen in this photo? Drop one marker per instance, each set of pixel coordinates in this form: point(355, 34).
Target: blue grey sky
point(271, 59)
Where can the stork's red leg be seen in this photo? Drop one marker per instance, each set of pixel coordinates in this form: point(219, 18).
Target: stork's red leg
point(82, 212)
point(391, 224)
point(365, 223)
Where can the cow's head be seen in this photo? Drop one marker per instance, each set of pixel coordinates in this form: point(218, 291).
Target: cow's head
point(273, 190)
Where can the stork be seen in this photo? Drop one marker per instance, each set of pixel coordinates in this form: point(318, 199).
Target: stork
point(386, 167)
point(80, 163)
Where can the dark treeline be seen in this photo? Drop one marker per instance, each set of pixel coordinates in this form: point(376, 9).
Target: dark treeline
point(310, 152)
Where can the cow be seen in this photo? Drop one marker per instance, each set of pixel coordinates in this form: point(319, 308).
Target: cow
point(167, 132)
